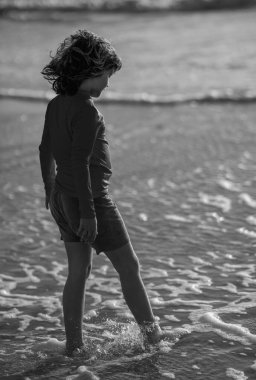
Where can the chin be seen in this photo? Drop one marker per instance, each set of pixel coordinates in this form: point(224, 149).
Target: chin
point(95, 94)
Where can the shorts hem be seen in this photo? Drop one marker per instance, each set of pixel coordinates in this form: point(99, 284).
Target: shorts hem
point(112, 248)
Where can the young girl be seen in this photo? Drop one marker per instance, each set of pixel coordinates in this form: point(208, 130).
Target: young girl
point(74, 139)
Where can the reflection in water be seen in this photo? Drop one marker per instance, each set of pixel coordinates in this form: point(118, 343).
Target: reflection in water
point(187, 196)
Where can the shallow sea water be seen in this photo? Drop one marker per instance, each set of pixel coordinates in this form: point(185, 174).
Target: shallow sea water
point(184, 181)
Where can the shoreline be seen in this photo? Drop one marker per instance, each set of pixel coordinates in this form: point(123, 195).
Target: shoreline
point(213, 96)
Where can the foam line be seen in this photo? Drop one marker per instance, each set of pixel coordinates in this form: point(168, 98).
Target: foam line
point(239, 330)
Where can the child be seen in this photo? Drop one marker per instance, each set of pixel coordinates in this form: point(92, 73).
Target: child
point(74, 139)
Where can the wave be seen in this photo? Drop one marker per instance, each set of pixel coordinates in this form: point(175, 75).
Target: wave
point(125, 5)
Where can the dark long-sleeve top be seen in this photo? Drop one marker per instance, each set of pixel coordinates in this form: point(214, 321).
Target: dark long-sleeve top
point(74, 138)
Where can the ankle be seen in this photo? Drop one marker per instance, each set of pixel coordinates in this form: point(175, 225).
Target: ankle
point(71, 349)
point(151, 331)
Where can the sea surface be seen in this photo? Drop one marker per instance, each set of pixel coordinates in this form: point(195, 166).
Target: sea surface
point(184, 180)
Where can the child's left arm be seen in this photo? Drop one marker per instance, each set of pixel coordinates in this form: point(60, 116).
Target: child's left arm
point(47, 162)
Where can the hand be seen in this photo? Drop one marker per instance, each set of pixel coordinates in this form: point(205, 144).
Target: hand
point(47, 201)
point(87, 230)
point(47, 198)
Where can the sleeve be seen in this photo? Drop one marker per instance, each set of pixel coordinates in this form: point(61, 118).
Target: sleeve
point(46, 157)
point(85, 129)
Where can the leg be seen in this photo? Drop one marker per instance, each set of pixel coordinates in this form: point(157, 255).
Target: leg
point(126, 264)
point(79, 267)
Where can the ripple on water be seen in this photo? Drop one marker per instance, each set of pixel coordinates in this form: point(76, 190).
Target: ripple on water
point(197, 277)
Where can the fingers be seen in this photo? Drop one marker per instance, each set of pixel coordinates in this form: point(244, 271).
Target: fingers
point(87, 232)
point(85, 237)
point(80, 230)
point(88, 236)
point(94, 235)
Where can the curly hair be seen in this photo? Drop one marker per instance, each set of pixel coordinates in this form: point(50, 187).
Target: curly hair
point(80, 56)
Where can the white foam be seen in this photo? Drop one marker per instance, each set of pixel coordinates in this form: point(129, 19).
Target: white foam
point(251, 219)
point(123, 337)
point(142, 216)
point(218, 201)
point(83, 374)
point(236, 374)
point(54, 272)
point(244, 231)
point(185, 287)
point(228, 328)
point(253, 366)
point(52, 345)
point(247, 273)
point(171, 318)
point(248, 200)
point(175, 334)
point(199, 260)
point(155, 272)
point(90, 314)
point(213, 255)
point(125, 314)
point(231, 288)
point(164, 347)
point(201, 304)
point(113, 304)
point(177, 218)
point(203, 280)
point(216, 216)
point(95, 296)
point(151, 182)
point(247, 276)
point(166, 261)
point(229, 185)
point(168, 375)
point(49, 318)
point(102, 270)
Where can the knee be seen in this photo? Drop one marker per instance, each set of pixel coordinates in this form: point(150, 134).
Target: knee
point(129, 269)
point(80, 274)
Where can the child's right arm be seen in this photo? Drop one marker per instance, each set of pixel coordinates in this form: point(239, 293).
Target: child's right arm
point(85, 129)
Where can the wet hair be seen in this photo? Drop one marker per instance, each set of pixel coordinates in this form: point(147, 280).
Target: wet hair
point(80, 56)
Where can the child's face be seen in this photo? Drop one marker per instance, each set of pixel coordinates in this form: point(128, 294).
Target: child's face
point(95, 86)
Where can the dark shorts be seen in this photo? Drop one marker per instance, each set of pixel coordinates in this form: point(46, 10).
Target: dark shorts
point(112, 233)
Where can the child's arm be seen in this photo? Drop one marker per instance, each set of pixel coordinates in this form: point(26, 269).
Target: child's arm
point(47, 162)
point(85, 129)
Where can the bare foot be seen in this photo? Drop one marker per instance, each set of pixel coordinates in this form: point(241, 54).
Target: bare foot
point(76, 351)
point(154, 334)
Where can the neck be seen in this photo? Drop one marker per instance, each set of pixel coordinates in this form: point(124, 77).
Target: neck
point(84, 93)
